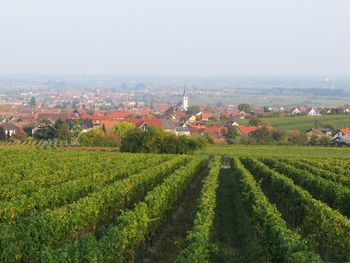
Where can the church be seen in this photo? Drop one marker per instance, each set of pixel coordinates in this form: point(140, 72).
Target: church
point(184, 105)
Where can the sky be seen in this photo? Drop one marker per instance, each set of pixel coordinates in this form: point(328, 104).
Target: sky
point(175, 37)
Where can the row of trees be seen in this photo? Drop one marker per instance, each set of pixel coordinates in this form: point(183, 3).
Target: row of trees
point(47, 130)
point(264, 135)
point(125, 135)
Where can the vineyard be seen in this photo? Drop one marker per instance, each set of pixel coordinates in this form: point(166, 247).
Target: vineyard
point(229, 206)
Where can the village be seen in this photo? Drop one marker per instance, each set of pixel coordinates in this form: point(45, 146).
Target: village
point(220, 124)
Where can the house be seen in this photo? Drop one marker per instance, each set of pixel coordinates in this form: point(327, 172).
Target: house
point(319, 133)
point(145, 122)
point(119, 115)
point(191, 119)
point(342, 136)
point(169, 125)
point(177, 115)
point(204, 116)
point(9, 128)
point(313, 112)
point(295, 111)
point(53, 117)
point(182, 131)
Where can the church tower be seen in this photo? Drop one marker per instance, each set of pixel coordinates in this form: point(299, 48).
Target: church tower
point(185, 104)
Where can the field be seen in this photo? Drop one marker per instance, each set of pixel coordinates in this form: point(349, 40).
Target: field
point(278, 151)
point(304, 123)
point(229, 204)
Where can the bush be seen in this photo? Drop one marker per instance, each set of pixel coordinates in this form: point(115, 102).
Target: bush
point(155, 140)
point(96, 137)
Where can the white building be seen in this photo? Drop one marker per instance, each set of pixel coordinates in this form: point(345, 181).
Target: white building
point(185, 104)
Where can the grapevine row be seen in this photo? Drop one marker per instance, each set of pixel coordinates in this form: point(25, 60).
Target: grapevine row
point(52, 227)
point(198, 248)
point(281, 243)
point(325, 229)
point(121, 243)
point(335, 195)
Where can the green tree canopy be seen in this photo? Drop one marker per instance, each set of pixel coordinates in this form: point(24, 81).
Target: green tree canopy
point(62, 130)
point(245, 107)
point(155, 140)
point(261, 135)
point(122, 128)
point(32, 102)
point(193, 110)
point(45, 131)
point(258, 122)
point(96, 137)
point(2, 134)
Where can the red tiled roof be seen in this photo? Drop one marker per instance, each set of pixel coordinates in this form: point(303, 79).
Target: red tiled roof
point(120, 114)
point(153, 121)
point(108, 124)
point(345, 130)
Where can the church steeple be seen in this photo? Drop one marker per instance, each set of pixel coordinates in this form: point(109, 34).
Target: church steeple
point(184, 105)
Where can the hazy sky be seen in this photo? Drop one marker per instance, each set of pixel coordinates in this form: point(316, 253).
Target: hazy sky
point(175, 37)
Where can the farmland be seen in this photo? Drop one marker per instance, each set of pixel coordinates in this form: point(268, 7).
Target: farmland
point(227, 204)
point(304, 123)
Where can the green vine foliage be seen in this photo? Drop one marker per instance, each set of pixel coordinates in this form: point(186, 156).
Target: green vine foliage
point(198, 241)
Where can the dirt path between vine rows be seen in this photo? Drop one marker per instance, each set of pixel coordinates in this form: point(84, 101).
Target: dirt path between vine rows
point(233, 233)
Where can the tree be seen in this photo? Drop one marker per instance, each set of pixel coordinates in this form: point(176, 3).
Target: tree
point(208, 108)
point(169, 111)
point(219, 104)
point(325, 140)
point(96, 137)
point(32, 102)
point(3, 136)
point(193, 110)
point(104, 128)
point(258, 122)
point(122, 128)
point(298, 138)
point(266, 109)
point(45, 131)
point(28, 130)
point(314, 140)
point(76, 128)
point(19, 135)
point(280, 136)
point(232, 135)
point(62, 130)
point(245, 107)
point(155, 140)
point(261, 135)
